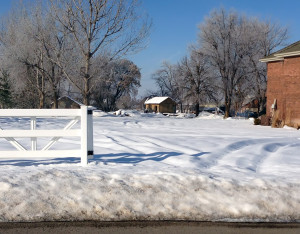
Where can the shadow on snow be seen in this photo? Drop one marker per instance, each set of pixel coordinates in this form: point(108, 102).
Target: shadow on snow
point(105, 158)
point(133, 158)
point(122, 158)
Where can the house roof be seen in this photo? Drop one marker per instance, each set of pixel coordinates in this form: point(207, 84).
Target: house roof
point(156, 100)
point(73, 100)
point(291, 50)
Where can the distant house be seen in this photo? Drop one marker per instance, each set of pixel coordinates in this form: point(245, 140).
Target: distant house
point(283, 87)
point(160, 104)
point(67, 102)
point(250, 105)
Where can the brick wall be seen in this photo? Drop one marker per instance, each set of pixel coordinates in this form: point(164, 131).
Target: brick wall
point(284, 86)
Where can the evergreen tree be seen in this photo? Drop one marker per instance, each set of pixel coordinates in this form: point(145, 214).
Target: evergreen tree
point(5, 91)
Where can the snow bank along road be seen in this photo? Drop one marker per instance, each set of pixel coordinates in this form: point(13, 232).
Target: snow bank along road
point(150, 167)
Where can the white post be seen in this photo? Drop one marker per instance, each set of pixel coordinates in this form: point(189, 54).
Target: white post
point(90, 137)
point(33, 139)
point(84, 143)
point(87, 142)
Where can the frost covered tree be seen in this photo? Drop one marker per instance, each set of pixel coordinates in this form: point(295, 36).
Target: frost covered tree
point(233, 42)
point(223, 40)
point(198, 83)
point(188, 81)
point(29, 40)
point(265, 37)
point(52, 44)
point(116, 79)
point(112, 28)
point(169, 83)
point(166, 79)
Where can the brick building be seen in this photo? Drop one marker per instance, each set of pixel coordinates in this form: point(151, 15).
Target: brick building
point(283, 87)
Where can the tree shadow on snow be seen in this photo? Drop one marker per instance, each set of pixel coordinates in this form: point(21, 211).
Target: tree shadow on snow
point(37, 162)
point(133, 158)
point(104, 158)
point(124, 158)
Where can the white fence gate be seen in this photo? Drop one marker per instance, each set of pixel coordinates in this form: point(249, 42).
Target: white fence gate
point(85, 115)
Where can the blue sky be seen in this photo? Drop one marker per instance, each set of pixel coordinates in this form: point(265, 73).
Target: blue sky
point(175, 26)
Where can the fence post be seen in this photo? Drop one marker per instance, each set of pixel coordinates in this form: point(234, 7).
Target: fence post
point(87, 150)
point(90, 137)
point(84, 150)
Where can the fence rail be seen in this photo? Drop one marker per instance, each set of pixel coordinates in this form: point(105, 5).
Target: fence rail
point(85, 115)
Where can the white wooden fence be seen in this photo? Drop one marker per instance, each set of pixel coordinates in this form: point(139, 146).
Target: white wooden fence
point(85, 115)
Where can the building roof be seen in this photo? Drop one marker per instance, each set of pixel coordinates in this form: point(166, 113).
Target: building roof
point(291, 50)
point(156, 100)
point(73, 100)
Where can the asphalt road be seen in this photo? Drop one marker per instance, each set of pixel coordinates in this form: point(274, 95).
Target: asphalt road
point(165, 227)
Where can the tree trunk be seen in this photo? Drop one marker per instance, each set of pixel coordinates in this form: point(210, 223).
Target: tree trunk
point(197, 108)
point(227, 106)
point(40, 86)
point(86, 91)
point(55, 100)
point(86, 95)
point(42, 100)
point(85, 99)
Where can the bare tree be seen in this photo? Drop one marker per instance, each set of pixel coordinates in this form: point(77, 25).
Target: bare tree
point(117, 79)
point(234, 44)
point(195, 71)
point(29, 39)
point(223, 37)
point(170, 83)
point(166, 79)
point(21, 53)
point(52, 44)
point(265, 37)
point(110, 27)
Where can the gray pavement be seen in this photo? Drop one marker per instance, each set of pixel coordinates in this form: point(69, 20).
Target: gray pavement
point(165, 227)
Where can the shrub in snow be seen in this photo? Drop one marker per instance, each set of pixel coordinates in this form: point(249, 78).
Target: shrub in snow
point(276, 122)
point(265, 120)
point(256, 121)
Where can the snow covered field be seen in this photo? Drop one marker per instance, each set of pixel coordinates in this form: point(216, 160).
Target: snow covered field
point(151, 167)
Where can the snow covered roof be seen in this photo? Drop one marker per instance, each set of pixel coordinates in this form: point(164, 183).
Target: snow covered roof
point(156, 100)
point(73, 100)
point(248, 99)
